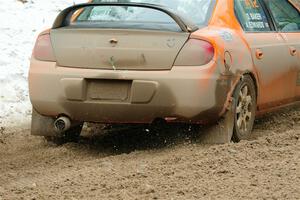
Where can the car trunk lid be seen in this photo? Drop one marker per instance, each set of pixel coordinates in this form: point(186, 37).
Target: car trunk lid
point(116, 49)
point(119, 36)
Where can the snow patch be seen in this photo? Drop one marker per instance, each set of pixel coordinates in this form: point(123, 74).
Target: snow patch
point(19, 26)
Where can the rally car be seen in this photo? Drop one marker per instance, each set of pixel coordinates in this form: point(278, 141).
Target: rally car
point(220, 62)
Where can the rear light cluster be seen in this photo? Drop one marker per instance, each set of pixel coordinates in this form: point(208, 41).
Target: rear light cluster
point(195, 53)
point(43, 48)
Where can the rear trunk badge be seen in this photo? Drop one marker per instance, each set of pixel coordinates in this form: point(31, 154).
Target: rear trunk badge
point(113, 42)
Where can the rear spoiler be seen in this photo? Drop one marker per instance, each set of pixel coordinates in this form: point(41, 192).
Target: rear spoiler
point(64, 17)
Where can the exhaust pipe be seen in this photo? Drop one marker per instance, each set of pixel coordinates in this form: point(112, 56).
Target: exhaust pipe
point(62, 124)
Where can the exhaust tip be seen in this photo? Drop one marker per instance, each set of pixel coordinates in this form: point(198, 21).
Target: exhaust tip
point(62, 124)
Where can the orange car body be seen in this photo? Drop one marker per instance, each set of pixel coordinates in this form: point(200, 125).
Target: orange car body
point(194, 94)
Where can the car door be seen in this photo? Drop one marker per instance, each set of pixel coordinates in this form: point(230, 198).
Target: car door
point(270, 54)
point(287, 20)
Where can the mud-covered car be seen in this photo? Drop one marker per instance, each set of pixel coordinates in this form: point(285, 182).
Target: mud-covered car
point(220, 62)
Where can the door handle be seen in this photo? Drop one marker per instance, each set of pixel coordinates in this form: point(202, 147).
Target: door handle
point(259, 54)
point(293, 51)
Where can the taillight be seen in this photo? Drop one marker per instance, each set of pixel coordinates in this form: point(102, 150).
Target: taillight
point(43, 48)
point(195, 53)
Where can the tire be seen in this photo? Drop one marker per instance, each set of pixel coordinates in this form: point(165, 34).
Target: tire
point(71, 135)
point(244, 109)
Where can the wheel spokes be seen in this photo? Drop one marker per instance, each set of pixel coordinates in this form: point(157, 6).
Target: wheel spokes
point(244, 109)
point(239, 108)
point(248, 100)
point(248, 115)
point(244, 124)
point(241, 96)
point(245, 91)
point(239, 122)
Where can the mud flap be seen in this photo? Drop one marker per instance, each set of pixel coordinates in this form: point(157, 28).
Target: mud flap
point(41, 125)
point(220, 133)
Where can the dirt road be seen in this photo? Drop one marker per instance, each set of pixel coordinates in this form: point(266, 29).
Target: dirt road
point(136, 164)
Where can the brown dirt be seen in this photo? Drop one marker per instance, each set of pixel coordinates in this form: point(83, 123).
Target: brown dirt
point(138, 164)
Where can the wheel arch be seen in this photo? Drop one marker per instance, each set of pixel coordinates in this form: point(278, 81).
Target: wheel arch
point(255, 81)
point(235, 82)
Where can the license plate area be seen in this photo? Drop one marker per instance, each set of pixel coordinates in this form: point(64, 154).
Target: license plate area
point(108, 90)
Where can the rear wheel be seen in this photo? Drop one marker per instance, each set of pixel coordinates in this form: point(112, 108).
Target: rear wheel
point(244, 109)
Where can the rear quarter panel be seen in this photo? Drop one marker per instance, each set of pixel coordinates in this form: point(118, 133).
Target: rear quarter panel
point(232, 52)
point(233, 59)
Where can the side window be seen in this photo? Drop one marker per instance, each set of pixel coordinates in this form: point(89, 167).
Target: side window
point(251, 16)
point(286, 17)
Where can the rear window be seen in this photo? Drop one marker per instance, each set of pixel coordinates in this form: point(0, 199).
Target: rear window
point(196, 11)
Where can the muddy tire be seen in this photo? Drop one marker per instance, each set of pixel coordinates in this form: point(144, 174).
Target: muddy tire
point(244, 109)
point(71, 135)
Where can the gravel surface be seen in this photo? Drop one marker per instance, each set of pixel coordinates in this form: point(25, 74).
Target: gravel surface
point(139, 164)
point(136, 163)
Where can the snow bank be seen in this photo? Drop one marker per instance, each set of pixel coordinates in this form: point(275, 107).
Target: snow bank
point(19, 25)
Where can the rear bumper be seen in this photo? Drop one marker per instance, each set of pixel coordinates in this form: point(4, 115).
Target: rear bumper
point(185, 94)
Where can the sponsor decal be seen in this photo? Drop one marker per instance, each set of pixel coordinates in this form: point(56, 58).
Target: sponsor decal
point(226, 35)
point(252, 3)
